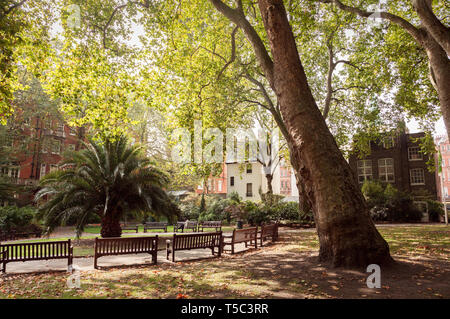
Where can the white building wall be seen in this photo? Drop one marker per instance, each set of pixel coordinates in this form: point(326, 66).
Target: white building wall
point(258, 180)
point(242, 178)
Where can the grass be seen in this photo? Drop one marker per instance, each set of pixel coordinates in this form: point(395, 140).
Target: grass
point(96, 230)
point(285, 270)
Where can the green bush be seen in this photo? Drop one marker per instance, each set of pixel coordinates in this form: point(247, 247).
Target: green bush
point(435, 210)
point(217, 211)
point(386, 203)
point(19, 219)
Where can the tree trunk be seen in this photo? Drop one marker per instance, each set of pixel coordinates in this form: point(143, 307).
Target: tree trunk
point(111, 224)
point(269, 178)
point(439, 76)
point(346, 232)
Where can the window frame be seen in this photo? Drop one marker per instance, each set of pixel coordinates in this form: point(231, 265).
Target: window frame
point(418, 152)
point(364, 167)
point(411, 176)
point(385, 166)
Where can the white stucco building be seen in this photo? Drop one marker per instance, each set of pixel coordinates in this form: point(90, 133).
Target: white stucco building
point(249, 178)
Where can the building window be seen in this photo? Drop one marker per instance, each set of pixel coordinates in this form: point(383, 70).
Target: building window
point(53, 167)
point(56, 147)
point(219, 185)
point(43, 170)
point(386, 169)
point(414, 154)
point(249, 190)
point(446, 191)
point(4, 170)
point(14, 172)
point(448, 174)
point(232, 181)
point(364, 170)
point(71, 147)
point(72, 131)
point(249, 168)
point(388, 142)
point(417, 176)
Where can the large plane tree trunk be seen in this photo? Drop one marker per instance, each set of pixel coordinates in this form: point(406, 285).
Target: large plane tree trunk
point(346, 232)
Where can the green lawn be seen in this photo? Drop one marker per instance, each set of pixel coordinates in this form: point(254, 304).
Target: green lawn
point(96, 230)
point(289, 269)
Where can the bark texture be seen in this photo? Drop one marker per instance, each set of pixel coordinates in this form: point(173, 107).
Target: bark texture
point(111, 224)
point(346, 232)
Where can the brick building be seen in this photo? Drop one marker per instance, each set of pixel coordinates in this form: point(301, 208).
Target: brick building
point(398, 160)
point(46, 140)
point(443, 179)
point(215, 184)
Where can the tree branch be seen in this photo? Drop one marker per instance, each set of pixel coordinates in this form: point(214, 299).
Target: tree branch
point(238, 18)
point(440, 32)
point(233, 52)
point(416, 33)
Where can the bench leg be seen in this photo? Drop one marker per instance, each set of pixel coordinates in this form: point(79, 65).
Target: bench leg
point(173, 256)
point(4, 267)
point(155, 257)
point(69, 263)
point(95, 262)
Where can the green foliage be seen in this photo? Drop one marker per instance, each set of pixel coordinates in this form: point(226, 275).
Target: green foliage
point(435, 210)
point(217, 210)
point(13, 218)
point(234, 197)
point(386, 203)
point(107, 179)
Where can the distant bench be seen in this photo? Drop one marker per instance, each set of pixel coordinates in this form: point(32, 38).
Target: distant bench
point(134, 227)
point(246, 235)
point(125, 246)
point(12, 235)
point(156, 225)
point(185, 226)
point(268, 231)
point(194, 241)
point(217, 225)
point(36, 251)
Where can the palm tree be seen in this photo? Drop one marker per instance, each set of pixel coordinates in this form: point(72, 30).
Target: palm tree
point(108, 179)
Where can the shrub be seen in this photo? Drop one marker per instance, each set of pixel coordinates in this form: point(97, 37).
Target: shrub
point(386, 203)
point(435, 210)
point(13, 218)
point(217, 211)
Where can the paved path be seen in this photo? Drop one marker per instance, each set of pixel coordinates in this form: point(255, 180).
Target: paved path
point(87, 263)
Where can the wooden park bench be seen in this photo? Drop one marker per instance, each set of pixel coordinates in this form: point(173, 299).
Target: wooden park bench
point(194, 241)
point(125, 246)
point(36, 251)
point(131, 227)
point(217, 225)
point(246, 235)
point(156, 225)
point(268, 231)
point(185, 226)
